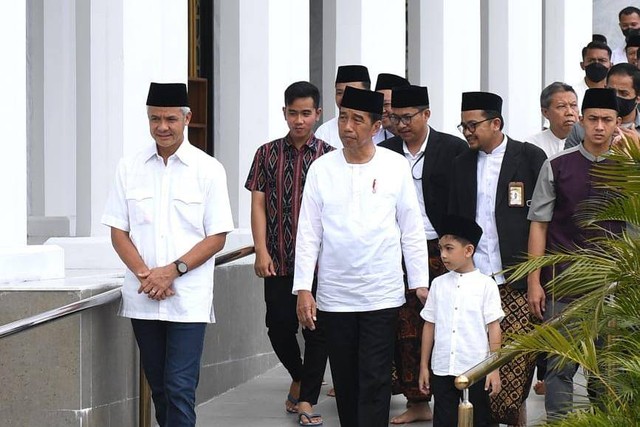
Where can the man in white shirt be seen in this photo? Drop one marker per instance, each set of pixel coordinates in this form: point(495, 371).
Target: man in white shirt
point(628, 20)
point(348, 75)
point(559, 105)
point(359, 217)
point(169, 214)
point(492, 184)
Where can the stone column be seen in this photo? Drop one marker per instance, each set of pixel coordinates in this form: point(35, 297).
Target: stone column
point(18, 262)
point(513, 53)
point(444, 55)
point(13, 86)
point(257, 57)
point(367, 32)
point(567, 29)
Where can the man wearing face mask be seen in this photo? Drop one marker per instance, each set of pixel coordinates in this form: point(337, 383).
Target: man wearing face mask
point(632, 46)
point(628, 20)
point(625, 79)
point(596, 61)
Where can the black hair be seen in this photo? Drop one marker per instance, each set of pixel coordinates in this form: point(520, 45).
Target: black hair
point(462, 241)
point(629, 10)
point(596, 45)
point(552, 89)
point(299, 90)
point(625, 69)
point(492, 114)
point(599, 38)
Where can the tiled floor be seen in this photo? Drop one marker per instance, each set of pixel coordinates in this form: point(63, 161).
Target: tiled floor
point(260, 402)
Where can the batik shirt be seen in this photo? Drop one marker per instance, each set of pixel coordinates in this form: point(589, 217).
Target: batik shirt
point(279, 170)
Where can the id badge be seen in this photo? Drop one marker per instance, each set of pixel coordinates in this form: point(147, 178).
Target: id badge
point(516, 194)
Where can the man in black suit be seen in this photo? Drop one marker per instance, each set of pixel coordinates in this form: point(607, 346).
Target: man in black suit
point(493, 184)
point(430, 154)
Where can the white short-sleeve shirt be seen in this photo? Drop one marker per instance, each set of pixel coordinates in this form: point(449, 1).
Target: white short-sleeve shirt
point(167, 210)
point(461, 305)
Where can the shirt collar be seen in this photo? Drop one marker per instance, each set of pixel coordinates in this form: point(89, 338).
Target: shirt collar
point(500, 149)
point(423, 147)
point(468, 273)
point(588, 155)
point(184, 153)
point(312, 142)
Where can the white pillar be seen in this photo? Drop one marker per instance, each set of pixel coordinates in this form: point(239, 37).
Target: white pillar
point(444, 55)
point(121, 47)
point(288, 58)
point(59, 103)
point(367, 32)
point(13, 86)
point(256, 59)
point(18, 262)
point(567, 29)
point(515, 62)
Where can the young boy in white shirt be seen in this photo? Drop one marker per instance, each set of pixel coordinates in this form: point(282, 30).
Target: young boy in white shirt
point(462, 326)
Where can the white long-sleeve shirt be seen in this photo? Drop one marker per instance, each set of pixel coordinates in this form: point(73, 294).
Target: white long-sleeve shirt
point(356, 222)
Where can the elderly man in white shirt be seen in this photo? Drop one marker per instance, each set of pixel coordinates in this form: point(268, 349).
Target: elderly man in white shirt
point(559, 105)
point(359, 216)
point(169, 214)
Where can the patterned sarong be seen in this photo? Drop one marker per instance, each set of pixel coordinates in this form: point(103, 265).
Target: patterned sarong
point(406, 368)
point(516, 375)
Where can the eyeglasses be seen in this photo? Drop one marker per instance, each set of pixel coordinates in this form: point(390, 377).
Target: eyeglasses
point(471, 126)
point(406, 119)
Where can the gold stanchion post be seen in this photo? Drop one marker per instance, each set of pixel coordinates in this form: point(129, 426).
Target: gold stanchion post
point(465, 410)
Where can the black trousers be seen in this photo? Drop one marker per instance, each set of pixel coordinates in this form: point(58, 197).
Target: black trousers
point(447, 397)
point(282, 324)
point(360, 353)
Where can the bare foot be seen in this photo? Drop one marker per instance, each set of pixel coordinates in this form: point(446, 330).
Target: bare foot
point(331, 392)
point(418, 411)
point(307, 408)
point(539, 388)
point(291, 404)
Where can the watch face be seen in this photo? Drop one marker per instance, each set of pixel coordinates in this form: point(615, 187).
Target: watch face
point(182, 267)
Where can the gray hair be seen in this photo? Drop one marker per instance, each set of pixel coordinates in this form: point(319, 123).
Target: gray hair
point(183, 110)
point(552, 89)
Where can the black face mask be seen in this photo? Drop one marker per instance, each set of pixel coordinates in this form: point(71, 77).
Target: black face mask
point(596, 72)
point(626, 32)
point(625, 106)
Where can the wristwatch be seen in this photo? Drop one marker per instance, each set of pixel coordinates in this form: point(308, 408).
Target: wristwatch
point(181, 266)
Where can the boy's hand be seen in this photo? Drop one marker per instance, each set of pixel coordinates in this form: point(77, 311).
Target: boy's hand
point(492, 382)
point(423, 381)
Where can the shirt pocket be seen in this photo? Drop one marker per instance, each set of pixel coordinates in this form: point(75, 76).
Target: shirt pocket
point(140, 205)
point(189, 208)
